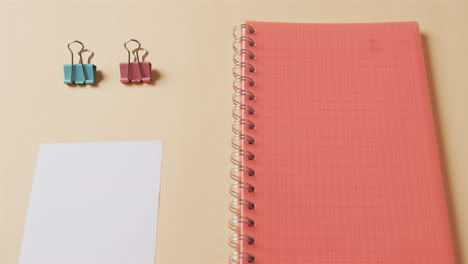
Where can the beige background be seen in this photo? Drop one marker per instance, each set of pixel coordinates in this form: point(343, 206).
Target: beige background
point(189, 106)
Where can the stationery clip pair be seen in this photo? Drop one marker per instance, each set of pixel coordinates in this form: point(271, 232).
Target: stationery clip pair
point(138, 71)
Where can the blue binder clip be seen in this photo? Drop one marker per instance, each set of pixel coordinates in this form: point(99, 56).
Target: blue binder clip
point(80, 73)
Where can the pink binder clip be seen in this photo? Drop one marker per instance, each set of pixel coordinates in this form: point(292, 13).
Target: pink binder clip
point(136, 71)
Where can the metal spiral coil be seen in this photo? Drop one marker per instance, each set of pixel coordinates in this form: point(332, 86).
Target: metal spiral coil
point(236, 239)
point(238, 67)
point(246, 123)
point(237, 257)
point(242, 52)
point(237, 155)
point(236, 205)
point(238, 94)
point(239, 42)
point(238, 139)
point(240, 169)
point(238, 220)
point(235, 187)
point(238, 110)
point(240, 27)
point(240, 80)
point(241, 127)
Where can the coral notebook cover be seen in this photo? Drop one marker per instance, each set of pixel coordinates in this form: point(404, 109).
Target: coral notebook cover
point(336, 156)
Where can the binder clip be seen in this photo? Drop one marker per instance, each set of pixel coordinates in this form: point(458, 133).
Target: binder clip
point(136, 71)
point(80, 73)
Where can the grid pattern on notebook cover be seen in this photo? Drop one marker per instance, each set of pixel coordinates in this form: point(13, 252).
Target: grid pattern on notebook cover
point(346, 161)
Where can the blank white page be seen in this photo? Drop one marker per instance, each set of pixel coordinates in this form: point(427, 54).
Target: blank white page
point(94, 203)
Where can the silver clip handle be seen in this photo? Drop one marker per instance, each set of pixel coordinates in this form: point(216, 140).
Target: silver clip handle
point(137, 58)
point(91, 55)
point(80, 61)
point(135, 54)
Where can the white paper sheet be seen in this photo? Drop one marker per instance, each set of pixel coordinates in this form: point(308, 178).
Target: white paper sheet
point(94, 203)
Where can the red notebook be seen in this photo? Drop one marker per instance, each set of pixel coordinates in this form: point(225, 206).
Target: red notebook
point(336, 159)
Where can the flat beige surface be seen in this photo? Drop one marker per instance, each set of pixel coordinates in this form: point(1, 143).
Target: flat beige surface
point(189, 106)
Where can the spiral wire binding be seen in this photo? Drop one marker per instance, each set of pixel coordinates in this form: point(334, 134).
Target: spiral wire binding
point(240, 127)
